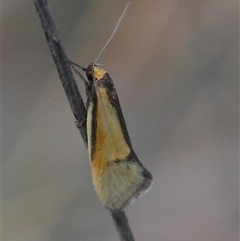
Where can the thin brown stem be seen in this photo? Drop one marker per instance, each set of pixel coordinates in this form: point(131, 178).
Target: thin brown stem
point(62, 64)
point(122, 226)
point(74, 97)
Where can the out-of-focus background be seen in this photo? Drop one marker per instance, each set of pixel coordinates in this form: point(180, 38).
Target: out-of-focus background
point(175, 67)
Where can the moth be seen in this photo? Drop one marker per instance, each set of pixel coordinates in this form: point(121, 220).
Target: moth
point(118, 175)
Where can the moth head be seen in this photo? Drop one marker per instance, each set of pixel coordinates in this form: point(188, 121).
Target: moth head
point(95, 72)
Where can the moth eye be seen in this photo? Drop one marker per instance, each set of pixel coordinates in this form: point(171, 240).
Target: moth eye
point(89, 74)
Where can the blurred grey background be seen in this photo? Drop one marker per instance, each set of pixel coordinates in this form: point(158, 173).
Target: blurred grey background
point(175, 66)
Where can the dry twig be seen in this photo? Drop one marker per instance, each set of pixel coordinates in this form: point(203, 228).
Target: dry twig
point(74, 97)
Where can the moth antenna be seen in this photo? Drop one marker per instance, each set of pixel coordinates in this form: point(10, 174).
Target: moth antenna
point(113, 33)
point(96, 64)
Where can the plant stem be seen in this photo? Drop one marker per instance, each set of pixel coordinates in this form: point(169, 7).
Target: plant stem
point(74, 97)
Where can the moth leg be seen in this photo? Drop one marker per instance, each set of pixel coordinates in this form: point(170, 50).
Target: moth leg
point(83, 123)
point(82, 126)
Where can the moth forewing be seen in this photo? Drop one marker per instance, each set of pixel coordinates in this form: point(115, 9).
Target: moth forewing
point(118, 175)
point(121, 182)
